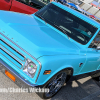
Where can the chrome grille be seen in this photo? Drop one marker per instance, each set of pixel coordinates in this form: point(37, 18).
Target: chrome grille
point(11, 49)
point(11, 53)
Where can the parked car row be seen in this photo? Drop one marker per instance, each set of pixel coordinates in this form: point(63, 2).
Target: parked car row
point(30, 6)
point(76, 6)
point(22, 6)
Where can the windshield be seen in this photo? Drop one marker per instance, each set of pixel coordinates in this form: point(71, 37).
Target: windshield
point(66, 22)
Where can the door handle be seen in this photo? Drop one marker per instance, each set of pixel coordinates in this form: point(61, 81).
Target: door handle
point(80, 64)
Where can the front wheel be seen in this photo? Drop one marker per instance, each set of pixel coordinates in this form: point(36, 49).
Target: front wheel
point(54, 85)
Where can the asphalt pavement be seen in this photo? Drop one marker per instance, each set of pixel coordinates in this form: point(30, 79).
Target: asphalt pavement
point(80, 89)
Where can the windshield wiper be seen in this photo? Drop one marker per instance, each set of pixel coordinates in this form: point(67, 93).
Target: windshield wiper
point(62, 30)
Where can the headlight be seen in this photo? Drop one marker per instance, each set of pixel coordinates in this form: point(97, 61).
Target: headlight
point(30, 68)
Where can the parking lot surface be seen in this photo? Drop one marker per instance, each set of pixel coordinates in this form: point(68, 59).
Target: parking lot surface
point(80, 89)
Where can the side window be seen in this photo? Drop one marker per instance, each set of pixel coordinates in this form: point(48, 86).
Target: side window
point(33, 3)
point(46, 1)
point(96, 41)
point(24, 1)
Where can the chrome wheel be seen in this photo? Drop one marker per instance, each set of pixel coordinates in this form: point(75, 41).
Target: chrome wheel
point(55, 84)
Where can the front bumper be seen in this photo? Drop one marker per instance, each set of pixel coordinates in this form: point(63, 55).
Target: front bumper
point(20, 81)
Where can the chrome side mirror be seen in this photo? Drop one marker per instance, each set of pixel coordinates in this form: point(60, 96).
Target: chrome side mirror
point(98, 48)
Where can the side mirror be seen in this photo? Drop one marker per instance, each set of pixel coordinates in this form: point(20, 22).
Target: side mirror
point(98, 48)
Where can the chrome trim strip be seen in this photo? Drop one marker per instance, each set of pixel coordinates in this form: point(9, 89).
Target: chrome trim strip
point(26, 53)
point(14, 50)
point(39, 71)
point(13, 53)
point(12, 57)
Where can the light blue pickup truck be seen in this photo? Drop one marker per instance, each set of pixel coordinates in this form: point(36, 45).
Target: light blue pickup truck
point(47, 48)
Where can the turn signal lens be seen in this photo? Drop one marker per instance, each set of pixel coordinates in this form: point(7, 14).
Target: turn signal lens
point(10, 75)
point(47, 72)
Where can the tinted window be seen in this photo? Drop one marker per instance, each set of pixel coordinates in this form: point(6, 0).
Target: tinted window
point(95, 42)
point(66, 22)
point(46, 1)
point(33, 3)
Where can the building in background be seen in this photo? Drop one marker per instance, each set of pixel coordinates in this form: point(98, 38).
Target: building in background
point(92, 7)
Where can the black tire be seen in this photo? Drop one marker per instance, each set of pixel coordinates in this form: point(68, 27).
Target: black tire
point(54, 85)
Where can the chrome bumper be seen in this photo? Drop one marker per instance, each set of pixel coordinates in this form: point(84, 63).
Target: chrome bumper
point(20, 81)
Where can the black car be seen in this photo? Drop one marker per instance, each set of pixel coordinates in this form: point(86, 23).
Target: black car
point(38, 4)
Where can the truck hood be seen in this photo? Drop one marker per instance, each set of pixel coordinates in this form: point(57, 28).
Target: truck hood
point(35, 37)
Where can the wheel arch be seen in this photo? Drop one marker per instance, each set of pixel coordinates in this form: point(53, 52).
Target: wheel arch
point(69, 71)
